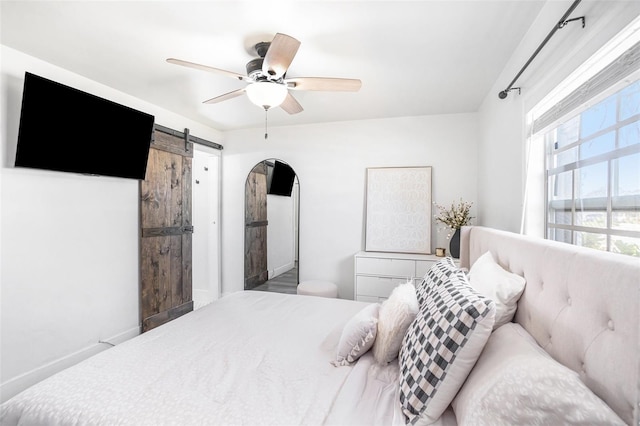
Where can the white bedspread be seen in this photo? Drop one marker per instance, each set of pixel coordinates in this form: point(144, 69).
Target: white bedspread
point(370, 397)
point(250, 358)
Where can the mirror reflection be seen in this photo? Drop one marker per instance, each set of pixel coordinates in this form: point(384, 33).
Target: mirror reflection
point(272, 193)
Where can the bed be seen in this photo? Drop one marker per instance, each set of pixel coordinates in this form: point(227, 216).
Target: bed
point(277, 359)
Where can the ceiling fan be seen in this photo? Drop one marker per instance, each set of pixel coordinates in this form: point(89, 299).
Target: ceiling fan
point(267, 84)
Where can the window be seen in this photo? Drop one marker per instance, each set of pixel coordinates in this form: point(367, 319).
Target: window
point(593, 174)
point(582, 165)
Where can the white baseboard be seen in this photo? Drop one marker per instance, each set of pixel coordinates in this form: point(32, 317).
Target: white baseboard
point(19, 383)
point(197, 304)
point(282, 269)
point(201, 298)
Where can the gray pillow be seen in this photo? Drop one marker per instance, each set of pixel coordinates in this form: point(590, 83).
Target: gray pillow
point(357, 335)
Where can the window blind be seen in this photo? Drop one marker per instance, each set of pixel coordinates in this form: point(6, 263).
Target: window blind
point(626, 64)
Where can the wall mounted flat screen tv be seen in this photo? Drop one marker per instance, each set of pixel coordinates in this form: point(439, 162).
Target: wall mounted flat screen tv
point(68, 130)
point(281, 180)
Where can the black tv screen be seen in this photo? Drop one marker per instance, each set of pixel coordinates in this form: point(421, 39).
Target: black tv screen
point(282, 177)
point(68, 130)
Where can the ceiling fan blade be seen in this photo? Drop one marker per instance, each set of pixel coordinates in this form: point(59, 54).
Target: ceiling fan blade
point(280, 54)
point(206, 68)
point(291, 105)
point(326, 84)
point(224, 97)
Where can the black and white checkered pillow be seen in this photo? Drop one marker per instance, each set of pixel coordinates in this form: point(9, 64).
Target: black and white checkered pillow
point(436, 275)
point(442, 344)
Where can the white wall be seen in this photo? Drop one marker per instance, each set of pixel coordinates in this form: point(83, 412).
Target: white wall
point(280, 234)
point(69, 266)
point(503, 128)
point(330, 161)
point(206, 273)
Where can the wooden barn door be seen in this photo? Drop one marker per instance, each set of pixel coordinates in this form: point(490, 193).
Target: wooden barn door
point(255, 228)
point(166, 246)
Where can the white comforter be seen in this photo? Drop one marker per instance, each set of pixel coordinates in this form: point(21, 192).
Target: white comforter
point(250, 358)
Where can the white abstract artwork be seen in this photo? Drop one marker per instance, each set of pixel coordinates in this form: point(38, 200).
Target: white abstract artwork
point(398, 210)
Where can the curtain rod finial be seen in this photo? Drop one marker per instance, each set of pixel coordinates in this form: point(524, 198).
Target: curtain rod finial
point(505, 92)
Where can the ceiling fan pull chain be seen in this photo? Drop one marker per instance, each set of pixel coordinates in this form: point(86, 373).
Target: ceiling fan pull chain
point(266, 111)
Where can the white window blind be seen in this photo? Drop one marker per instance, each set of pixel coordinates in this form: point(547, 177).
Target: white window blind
point(625, 65)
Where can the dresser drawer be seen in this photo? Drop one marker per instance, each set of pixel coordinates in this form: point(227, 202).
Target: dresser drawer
point(376, 274)
point(376, 286)
point(389, 267)
point(422, 266)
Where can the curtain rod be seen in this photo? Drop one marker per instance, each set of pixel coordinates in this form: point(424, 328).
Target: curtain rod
point(561, 23)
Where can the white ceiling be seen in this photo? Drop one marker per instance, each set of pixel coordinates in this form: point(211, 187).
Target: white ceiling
point(413, 57)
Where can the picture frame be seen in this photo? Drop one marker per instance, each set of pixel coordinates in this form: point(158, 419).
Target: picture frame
point(398, 209)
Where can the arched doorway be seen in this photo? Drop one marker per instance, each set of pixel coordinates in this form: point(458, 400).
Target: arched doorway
point(271, 223)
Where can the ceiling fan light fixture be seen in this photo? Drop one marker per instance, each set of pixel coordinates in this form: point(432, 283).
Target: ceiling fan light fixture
point(266, 94)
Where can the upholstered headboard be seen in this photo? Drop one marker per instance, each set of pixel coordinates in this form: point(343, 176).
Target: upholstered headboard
point(581, 305)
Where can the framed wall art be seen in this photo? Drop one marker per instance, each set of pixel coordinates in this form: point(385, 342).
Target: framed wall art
point(398, 217)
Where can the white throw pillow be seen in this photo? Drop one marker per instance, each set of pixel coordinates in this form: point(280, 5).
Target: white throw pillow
point(396, 313)
point(358, 335)
point(499, 285)
point(441, 346)
point(516, 382)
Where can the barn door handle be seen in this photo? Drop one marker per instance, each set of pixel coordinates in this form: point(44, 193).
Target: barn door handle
point(256, 223)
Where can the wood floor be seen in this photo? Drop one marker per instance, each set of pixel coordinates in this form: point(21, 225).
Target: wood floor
point(283, 283)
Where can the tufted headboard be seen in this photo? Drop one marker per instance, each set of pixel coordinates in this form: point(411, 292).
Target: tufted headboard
point(581, 305)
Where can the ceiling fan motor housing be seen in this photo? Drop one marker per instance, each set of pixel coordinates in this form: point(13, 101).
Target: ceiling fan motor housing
point(254, 68)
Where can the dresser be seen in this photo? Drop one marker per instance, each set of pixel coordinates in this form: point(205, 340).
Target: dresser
point(376, 273)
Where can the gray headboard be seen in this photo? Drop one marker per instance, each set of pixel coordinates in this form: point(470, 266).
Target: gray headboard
point(581, 305)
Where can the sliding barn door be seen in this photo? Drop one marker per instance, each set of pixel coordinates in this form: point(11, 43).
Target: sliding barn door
point(255, 228)
point(166, 246)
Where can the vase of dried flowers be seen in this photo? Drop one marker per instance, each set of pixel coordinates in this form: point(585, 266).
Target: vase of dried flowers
point(454, 218)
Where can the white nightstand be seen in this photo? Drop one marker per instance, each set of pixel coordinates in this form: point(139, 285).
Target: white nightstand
point(377, 273)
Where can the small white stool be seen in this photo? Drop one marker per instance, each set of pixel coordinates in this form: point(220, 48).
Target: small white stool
point(318, 288)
